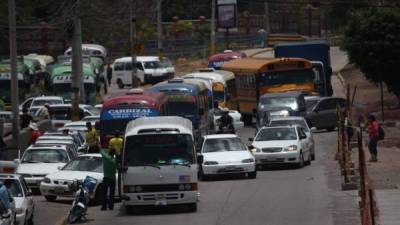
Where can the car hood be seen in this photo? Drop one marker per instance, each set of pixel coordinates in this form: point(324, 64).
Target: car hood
point(38, 168)
point(75, 175)
point(274, 144)
point(227, 157)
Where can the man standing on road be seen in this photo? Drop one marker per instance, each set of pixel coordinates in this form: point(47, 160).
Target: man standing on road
point(373, 133)
point(92, 138)
point(44, 112)
point(109, 169)
point(116, 144)
point(263, 37)
point(109, 74)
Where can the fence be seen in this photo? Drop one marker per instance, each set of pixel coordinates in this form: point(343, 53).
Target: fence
point(368, 206)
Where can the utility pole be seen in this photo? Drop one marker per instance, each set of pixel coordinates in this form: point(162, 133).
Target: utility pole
point(159, 27)
point(132, 23)
point(14, 75)
point(212, 28)
point(77, 74)
point(266, 16)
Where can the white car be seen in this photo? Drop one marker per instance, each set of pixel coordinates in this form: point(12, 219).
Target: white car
point(22, 196)
point(282, 145)
point(92, 119)
point(38, 161)
point(58, 184)
point(61, 113)
point(236, 116)
point(35, 103)
point(226, 154)
point(299, 121)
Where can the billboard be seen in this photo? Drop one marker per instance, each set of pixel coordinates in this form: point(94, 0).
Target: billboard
point(227, 15)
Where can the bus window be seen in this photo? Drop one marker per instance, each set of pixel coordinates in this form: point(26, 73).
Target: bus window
point(118, 66)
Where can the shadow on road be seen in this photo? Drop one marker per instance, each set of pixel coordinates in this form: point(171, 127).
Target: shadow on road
point(155, 210)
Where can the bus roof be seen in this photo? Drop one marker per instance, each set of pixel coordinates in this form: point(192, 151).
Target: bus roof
point(145, 98)
point(257, 65)
point(203, 85)
point(139, 59)
point(156, 124)
point(60, 69)
point(175, 87)
point(213, 76)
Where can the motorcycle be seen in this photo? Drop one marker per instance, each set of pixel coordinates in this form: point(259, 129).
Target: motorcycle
point(227, 129)
point(82, 198)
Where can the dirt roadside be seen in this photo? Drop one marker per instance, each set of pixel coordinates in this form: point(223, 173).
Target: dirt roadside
point(385, 173)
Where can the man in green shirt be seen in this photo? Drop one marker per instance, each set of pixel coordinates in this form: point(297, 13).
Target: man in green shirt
point(109, 169)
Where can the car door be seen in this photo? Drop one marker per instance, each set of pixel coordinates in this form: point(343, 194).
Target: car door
point(304, 142)
point(28, 197)
point(324, 114)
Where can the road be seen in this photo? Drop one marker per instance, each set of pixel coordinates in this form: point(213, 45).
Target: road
point(284, 195)
point(279, 196)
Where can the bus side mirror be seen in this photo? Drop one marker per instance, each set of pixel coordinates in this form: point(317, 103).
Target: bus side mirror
point(200, 159)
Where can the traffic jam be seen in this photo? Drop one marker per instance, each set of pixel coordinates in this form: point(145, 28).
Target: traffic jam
point(151, 146)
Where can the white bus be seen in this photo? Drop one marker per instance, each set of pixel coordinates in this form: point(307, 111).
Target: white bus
point(159, 162)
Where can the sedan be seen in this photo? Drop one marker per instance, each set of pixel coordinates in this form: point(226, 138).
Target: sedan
point(22, 196)
point(58, 184)
point(226, 154)
point(293, 121)
point(282, 145)
point(322, 112)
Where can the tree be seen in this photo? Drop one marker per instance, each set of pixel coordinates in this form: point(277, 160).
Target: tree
point(372, 41)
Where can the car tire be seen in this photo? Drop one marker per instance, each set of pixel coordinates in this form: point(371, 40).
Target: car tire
point(30, 221)
point(252, 175)
point(120, 84)
point(308, 162)
point(313, 154)
point(300, 164)
point(50, 198)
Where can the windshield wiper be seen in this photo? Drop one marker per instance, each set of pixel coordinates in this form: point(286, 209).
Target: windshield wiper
point(145, 165)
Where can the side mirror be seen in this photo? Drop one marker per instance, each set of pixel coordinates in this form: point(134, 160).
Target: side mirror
point(313, 129)
point(200, 159)
point(17, 161)
point(251, 139)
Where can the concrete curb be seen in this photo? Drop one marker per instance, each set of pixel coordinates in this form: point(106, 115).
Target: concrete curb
point(62, 220)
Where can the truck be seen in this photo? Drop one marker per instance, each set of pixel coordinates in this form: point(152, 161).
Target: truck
point(318, 52)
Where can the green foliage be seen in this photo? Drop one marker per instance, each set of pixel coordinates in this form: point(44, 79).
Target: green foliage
point(146, 32)
point(180, 27)
point(372, 40)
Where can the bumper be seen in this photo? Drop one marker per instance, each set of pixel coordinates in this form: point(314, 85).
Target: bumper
point(33, 182)
point(161, 198)
point(56, 190)
point(277, 158)
point(20, 218)
point(228, 168)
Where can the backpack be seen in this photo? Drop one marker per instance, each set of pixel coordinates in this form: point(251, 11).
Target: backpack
point(381, 133)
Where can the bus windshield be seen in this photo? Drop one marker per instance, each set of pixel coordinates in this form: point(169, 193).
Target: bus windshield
point(159, 149)
point(287, 77)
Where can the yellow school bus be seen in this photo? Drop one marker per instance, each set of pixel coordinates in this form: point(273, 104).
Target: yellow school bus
point(257, 76)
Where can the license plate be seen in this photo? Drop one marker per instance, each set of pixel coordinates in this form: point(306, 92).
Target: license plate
point(59, 190)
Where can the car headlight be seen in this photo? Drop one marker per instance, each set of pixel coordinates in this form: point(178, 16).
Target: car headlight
point(19, 210)
point(254, 150)
point(284, 113)
point(291, 148)
point(210, 163)
point(250, 160)
point(46, 180)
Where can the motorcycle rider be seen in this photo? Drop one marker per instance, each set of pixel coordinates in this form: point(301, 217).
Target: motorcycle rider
point(226, 121)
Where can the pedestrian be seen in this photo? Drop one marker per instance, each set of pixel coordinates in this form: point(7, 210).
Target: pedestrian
point(5, 197)
point(109, 169)
point(116, 144)
point(35, 133)
point(373, 133)
point(44, 112)
point(25, 118)
point(92, 138)
point(263, 34)
point(109, 74)
point(99, 98)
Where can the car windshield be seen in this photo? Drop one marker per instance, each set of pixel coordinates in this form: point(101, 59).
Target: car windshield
point(45, 156)
point(288, 77)
point(223, 145)
point(159, 149)
point(48, 101)
point(278, 123)
point(279, 102)
point(92, 110)
point(310, 103)
point(152, 65)
point(277, 134)
point(13, 187)
point(90, 164)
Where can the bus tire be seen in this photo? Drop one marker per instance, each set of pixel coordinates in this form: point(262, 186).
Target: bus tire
point(120, 84)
